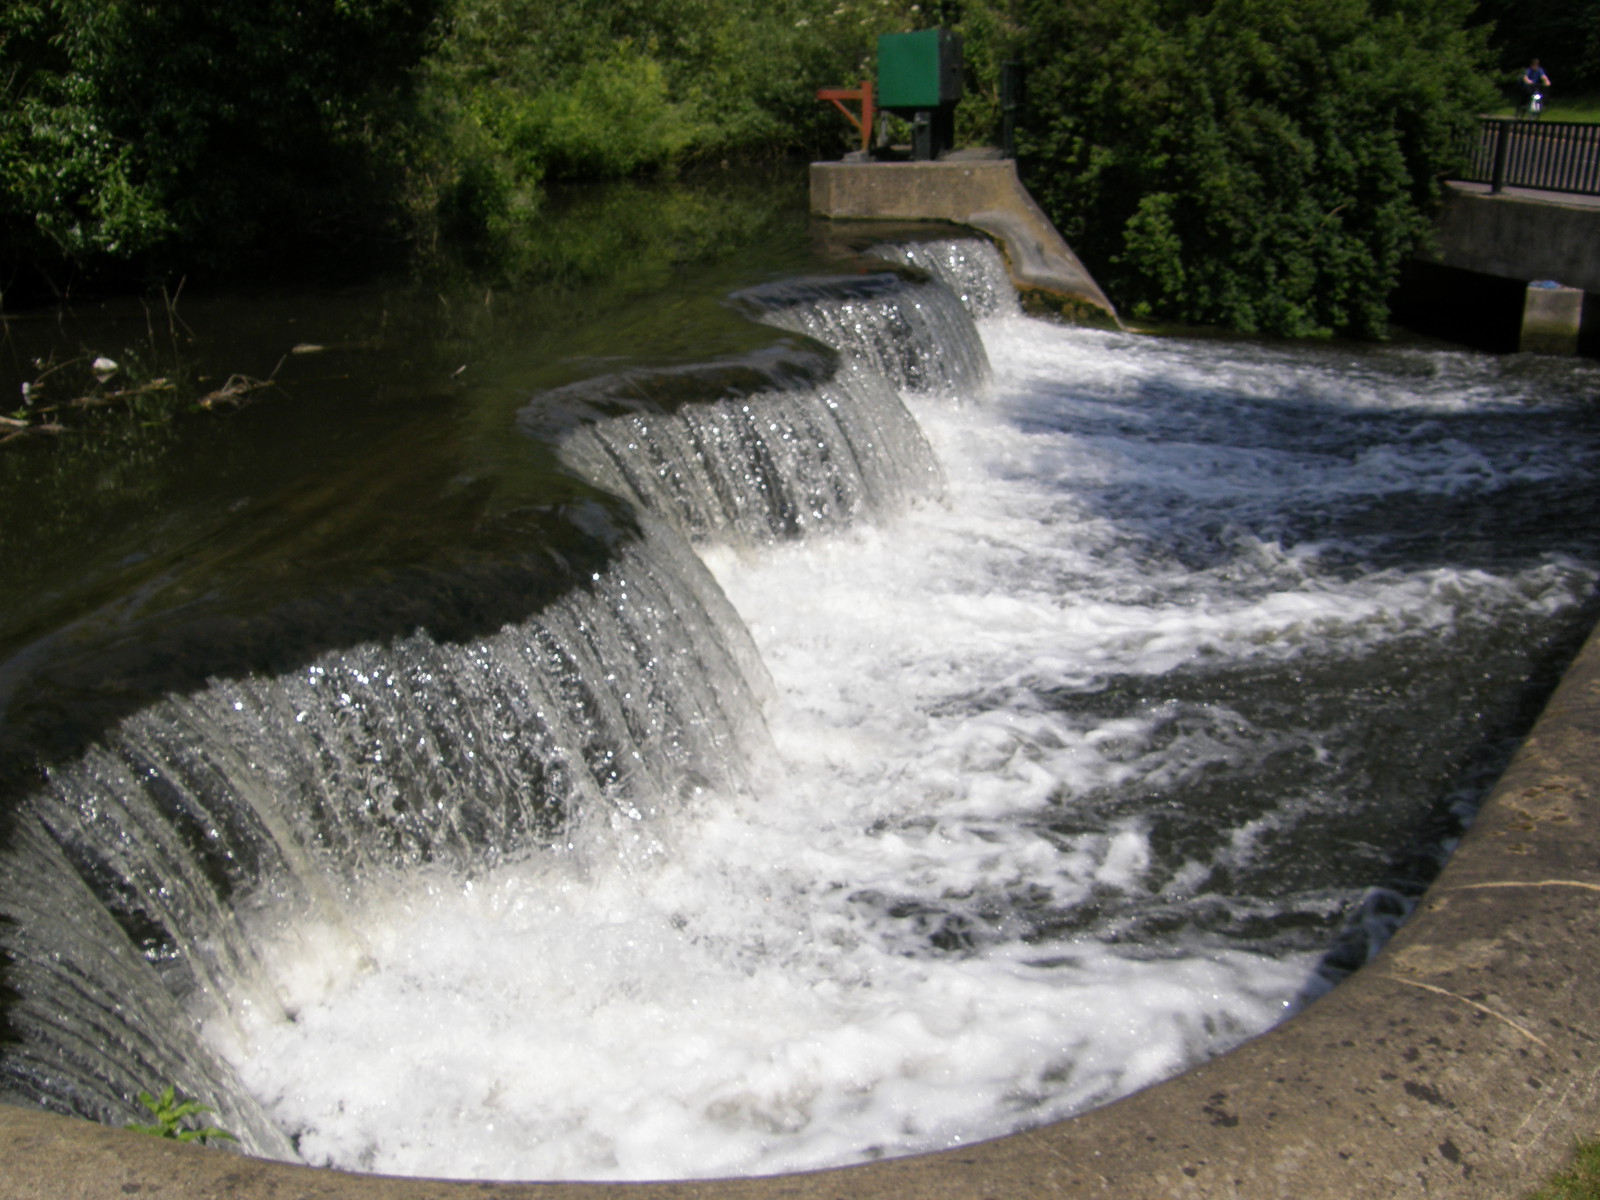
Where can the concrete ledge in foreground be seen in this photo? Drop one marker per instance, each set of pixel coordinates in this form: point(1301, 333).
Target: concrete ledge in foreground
point(968, 189)
point(1463, 1063)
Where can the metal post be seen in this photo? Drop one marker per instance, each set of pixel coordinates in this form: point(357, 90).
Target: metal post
point(863, 122)
point(1502, 140)
point(1010, 97)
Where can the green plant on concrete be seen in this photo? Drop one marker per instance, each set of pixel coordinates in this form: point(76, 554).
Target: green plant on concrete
point(1580, 1181)
point(170, 1115)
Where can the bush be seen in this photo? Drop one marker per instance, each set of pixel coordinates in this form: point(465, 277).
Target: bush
point(1564, 34)
point(524, 92)
point(200, 132)
point(239, 136)
point(1265, 165)
point(1262, 164)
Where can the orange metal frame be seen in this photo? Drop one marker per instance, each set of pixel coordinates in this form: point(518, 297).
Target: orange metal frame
point(864, 95)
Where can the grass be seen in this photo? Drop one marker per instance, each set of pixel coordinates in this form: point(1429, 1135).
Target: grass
point(1581, 1181)
point(1583, 106)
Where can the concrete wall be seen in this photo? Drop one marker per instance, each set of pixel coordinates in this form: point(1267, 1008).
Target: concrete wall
point(978, 191)
point(1519, 235)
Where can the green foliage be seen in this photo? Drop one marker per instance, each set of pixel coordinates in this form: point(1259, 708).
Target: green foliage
point(1262, 164)
point(614, 119)
point(1581, 1181)
point(992, 33)
point(525, 92)
point(1563, 34)
point(170, 1115)
point(1265, 165)
point(198, 131)
point(65, 179)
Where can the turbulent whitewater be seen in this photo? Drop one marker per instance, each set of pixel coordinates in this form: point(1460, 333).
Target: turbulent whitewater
point(982, 719)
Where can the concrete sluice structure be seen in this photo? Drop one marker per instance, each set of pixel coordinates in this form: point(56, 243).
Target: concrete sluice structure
point(970, 188)
point(1520, 263)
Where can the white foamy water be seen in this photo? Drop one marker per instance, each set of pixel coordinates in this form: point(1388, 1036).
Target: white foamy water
point(1047, 781)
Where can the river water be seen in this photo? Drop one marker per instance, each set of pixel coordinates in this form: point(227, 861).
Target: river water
point(750, 759)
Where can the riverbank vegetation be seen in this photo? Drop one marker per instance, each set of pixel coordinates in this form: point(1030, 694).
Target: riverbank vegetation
point(1264, 165)
point(208, 138)
point(1258, 164)
point(1580, 1181)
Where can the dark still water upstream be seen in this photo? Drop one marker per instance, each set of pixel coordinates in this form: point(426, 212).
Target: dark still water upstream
point(777, 708)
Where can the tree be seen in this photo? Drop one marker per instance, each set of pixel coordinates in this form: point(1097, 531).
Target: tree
point(1265, 165)
point(208, 131)
point(232, 134)
point(1564, 33)
point(525, 92)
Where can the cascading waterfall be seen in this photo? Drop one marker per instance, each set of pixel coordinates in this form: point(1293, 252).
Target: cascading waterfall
point(916, 335)
point(144, 876)
point(951, 747)
point(970, 272)
point(769, 454)
point(162, 857)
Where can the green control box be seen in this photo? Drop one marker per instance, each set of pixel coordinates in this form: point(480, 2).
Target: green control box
point(919, 71)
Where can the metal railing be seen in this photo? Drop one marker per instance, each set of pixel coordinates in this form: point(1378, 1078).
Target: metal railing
point(1552, 156)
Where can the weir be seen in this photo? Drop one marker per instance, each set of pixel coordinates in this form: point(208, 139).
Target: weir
point(168, 868)
point(975, 188)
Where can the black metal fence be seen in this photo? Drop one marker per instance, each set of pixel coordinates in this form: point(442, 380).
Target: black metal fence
point(1553, 156)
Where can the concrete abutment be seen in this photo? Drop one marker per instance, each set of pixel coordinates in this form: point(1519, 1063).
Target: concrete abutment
point(978, 191)
point(1492, 258)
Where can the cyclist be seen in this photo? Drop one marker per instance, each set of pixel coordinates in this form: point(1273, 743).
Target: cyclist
point(1534, 82)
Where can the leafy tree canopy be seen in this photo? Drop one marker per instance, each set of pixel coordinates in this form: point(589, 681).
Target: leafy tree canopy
point(1265, 165)
point(1563, 34)
point(232, 133)
point(195, 129)
point(1260, 164)
point(527, 91)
